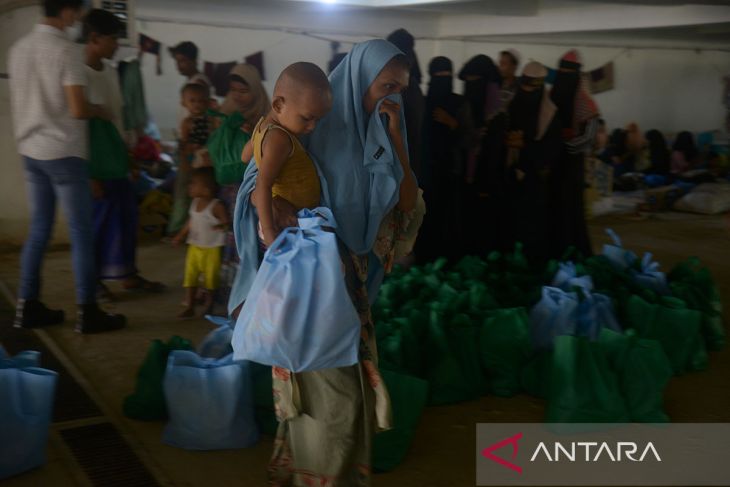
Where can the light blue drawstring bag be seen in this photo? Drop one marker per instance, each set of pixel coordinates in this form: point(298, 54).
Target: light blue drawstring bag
point(617, 254)
point(555, 314)
point(298, 314)
point(210, 403)
point(566, 278)
point(568, 313)
point(651, 277)
point(217, 343)
point(26, 404)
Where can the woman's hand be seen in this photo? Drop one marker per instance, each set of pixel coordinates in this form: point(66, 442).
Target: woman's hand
point(285, 214)
point(442, 116)
point(392, 109)
point(247, 128)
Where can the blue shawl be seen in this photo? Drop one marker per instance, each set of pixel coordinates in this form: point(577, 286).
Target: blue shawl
point(359, 171)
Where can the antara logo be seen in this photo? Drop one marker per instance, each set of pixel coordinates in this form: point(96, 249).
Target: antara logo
point(593, 451)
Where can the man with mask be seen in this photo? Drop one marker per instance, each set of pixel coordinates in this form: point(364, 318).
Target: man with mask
point(579, 121)
point(50, 109)
point(413, 101)
point(524, 144)
point(447, 132)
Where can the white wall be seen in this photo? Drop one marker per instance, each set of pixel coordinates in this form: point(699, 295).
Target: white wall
point(669, 90)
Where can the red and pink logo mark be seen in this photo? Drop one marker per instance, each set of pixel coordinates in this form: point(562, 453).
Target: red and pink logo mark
point(487, 452)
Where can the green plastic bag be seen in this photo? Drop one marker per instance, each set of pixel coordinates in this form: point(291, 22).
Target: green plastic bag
point(535, 374)
point(448, 382)
point(674, 326)
point(694, 284)
point(643, 372)
point(147, 403)
point(108, 158)
point(408, 397)
point(504, 346)
point(263, 398)
point(225, 146)
point(583, 387)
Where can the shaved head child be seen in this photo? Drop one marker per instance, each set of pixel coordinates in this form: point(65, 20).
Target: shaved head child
point(302, 96)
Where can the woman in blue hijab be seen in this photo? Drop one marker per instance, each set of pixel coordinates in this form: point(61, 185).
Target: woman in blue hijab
point(327, 418)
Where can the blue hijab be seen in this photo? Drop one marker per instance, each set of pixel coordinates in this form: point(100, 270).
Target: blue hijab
point(359, 171)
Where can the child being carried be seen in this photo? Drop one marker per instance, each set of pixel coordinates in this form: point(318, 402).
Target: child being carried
point(302, 96)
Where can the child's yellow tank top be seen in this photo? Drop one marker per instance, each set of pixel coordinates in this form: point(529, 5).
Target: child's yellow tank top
point(298, 181)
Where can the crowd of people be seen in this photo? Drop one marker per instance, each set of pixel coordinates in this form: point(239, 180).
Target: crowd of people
point(502, 164)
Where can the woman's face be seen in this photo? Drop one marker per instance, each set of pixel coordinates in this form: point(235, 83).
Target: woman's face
point(241, 95)
point(392, 79)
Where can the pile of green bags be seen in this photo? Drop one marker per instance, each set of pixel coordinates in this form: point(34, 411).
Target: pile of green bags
point(463, 330)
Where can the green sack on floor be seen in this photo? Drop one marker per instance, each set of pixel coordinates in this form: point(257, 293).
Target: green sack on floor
point(535, 374)
point(504, 346)
point(263, 398)
point(225, 146)
point(694, 284)
point(408, 398)
point(674, 326)
point(583, 387)
point(448, 382)
point(147, 403)
point(108, 158)
point(643, 372)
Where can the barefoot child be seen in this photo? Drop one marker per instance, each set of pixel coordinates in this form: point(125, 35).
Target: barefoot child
point(302, 96)
point(205, 232)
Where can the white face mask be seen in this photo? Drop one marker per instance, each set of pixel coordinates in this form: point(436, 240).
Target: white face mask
point(74, 32)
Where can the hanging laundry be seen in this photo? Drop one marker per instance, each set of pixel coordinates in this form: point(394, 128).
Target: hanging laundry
point(150, 46)
point(218, 73)
point(135, 107)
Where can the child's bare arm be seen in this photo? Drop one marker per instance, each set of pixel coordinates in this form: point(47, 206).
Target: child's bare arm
point(219, 211)
point(276, 149)
point(182, 234)
point(247, 153)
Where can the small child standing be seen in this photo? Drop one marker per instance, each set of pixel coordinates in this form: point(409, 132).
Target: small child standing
point(302, 96)
point(205, 232)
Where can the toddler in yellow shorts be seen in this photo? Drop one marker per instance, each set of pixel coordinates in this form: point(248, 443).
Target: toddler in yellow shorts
point(205, 232)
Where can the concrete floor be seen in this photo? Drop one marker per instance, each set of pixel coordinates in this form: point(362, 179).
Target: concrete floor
point(443, 451)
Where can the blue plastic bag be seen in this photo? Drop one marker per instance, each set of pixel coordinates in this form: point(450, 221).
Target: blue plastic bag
point(210, 403)
point(617, 254)
point(298, 314)
point(26, 403)
point(566, 278)
point(651, 277)
point(568, 313)
point(555, 314)
point(217, 343)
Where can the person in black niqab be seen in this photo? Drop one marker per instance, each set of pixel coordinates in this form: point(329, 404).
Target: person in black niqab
point(447, 134)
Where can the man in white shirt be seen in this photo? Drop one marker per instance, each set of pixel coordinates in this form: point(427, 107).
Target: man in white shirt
point(50, 108)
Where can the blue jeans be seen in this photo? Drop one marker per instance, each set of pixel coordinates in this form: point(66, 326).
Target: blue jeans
point(65, 180)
